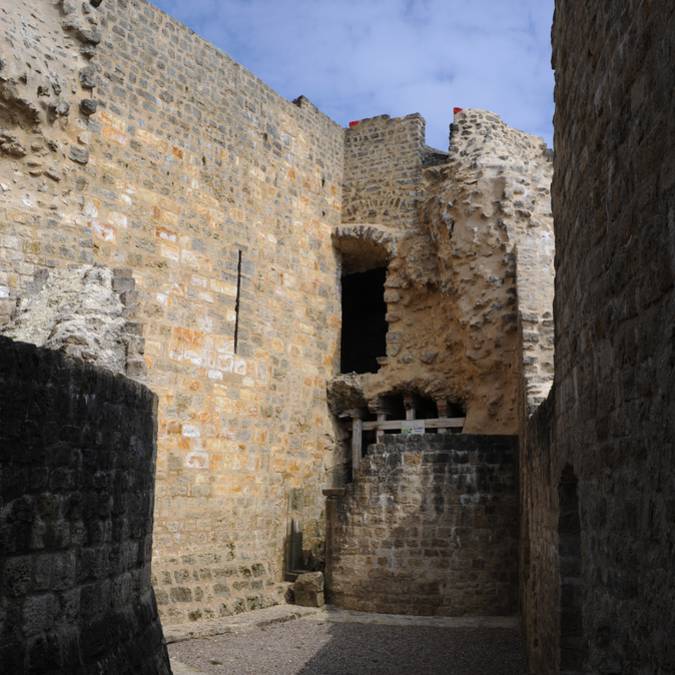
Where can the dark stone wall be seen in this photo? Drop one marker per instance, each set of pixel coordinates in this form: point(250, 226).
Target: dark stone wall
point(614, 406)
point(539, 579)
point(429, 527)
point(77, 457)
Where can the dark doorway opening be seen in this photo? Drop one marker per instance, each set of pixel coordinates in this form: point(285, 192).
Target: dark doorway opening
point(364, 326)
point(572, 648)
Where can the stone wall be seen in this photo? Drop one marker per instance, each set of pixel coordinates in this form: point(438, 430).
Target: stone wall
point(131, 144)
point(383, 171)
point(429, 526)
point(469, 285)
point(539, 575)
point(204, 184)
point(77, 476)
point(613, 429)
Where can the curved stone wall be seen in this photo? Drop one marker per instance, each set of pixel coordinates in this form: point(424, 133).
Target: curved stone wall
point(428, 527)
point(77, 467)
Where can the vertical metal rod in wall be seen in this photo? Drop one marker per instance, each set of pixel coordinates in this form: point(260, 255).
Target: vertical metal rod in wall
point(236, 303)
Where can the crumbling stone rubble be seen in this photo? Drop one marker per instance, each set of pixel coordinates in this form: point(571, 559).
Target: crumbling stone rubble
point(78, 311)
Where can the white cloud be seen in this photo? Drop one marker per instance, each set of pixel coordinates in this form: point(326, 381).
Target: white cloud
point(357, 59)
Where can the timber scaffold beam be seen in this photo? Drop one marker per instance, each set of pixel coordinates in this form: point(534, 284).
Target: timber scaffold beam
point(410, 425)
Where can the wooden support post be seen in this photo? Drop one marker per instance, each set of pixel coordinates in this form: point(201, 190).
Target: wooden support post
point(409, 403)
point(379, 434)
point(357, 442)
point(442, 406)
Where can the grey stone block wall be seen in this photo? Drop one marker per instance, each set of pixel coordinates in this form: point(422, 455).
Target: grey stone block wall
point(428, 527)
point(77, 459)
point(613, 411)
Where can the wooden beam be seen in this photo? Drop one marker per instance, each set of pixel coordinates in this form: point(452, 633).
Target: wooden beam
point(357, 441)
point(395, 425)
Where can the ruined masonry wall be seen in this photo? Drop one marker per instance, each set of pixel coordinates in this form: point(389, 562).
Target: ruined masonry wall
point(83, 311)
point(469, 286)
point(77, 482)
point(430, 527)
point(614, 405)
point(187, 160)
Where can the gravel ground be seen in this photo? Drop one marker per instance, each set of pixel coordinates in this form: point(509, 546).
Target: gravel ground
point(304, 647)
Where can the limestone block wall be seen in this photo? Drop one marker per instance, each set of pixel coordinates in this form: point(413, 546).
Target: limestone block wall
point(613, 428)
point(220, 198)
point(429, 526)
point(383, 170)
point(77, 458)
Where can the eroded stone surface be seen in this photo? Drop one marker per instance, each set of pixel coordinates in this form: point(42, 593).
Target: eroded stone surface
point(308, 590)
point(469, 286)
point(76, 311)
point(43, 73)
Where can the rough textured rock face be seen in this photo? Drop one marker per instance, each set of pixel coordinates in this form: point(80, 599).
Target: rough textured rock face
point(429, 526)
point(45, 78)
point(308, 590)
point(495, 236)
point(469, 285)
point(77, 482)
point(77, 311)
point(613, 402)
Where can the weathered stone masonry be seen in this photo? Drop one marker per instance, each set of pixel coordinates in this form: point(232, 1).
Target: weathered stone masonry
point(469, 270)
point(77, 456)
point(429, 526)
point(225, 216)
point(606, 604)
point(188, 161)
point(218, 219)
point(468, 290)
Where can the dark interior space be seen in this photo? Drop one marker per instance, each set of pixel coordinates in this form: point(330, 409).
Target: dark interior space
point(394, 406)
point(364, 327)
point(425, 408)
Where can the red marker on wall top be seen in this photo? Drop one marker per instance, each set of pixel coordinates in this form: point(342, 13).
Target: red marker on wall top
point(456, 110)
point(354, 123)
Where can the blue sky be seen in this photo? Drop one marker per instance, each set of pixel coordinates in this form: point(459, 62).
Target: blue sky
point(359, 58)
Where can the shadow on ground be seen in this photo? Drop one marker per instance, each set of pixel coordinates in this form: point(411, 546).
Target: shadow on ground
point(314, 647)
